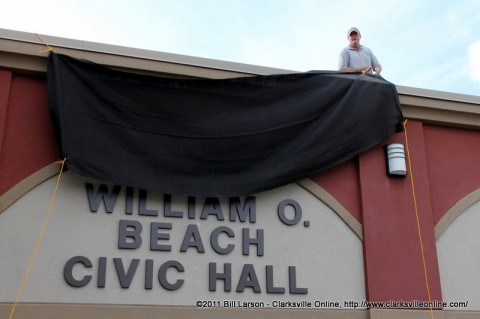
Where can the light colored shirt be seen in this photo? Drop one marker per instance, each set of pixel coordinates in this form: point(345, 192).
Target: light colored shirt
point(350, 57)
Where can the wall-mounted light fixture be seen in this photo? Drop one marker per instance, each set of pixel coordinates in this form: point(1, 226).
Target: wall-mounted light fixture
point(395, 159)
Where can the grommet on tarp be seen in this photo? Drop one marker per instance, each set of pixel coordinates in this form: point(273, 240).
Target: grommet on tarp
point(395, 159)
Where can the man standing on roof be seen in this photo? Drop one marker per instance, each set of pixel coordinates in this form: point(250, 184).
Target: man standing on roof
point(356, 57)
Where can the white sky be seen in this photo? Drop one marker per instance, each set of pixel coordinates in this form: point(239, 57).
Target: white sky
point(433, 44)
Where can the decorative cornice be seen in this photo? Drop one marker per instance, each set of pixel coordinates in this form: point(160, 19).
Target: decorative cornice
point(440, 108)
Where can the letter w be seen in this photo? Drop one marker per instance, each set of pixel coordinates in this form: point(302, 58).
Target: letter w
point(95, 199)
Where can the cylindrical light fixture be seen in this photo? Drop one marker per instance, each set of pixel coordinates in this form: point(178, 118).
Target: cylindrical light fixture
point(395, 159)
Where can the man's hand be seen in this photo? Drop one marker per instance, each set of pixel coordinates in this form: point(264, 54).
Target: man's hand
point(365, 69)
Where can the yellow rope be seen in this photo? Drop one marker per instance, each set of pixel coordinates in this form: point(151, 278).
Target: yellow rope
point(418, 221)
point(39, 240)
point(49, 48)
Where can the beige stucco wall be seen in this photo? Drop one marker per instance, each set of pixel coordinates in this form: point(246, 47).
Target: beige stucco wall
point(459, 259)
point(326, 253)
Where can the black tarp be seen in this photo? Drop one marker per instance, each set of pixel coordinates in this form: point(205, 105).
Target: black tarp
point(209, 137)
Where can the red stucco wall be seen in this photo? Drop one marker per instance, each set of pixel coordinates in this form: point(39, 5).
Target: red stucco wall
point(27, 142)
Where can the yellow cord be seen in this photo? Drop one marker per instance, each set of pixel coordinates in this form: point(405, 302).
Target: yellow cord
point(39, 240)
point(49, 48)
point(418, 221)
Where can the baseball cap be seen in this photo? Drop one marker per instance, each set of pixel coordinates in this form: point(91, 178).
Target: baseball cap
point(353, 29)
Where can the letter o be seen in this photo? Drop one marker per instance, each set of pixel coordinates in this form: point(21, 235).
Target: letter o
point(296, 208)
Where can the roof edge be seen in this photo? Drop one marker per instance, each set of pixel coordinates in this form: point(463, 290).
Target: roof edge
point(62, 44)
point(26, 53)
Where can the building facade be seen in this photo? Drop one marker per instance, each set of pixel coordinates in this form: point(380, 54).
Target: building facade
point(350, 242)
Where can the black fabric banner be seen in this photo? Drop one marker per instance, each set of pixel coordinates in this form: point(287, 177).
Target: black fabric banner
point(205, 137)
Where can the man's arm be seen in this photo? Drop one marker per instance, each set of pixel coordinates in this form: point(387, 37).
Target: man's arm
point(343, 61)
point(377, 67)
